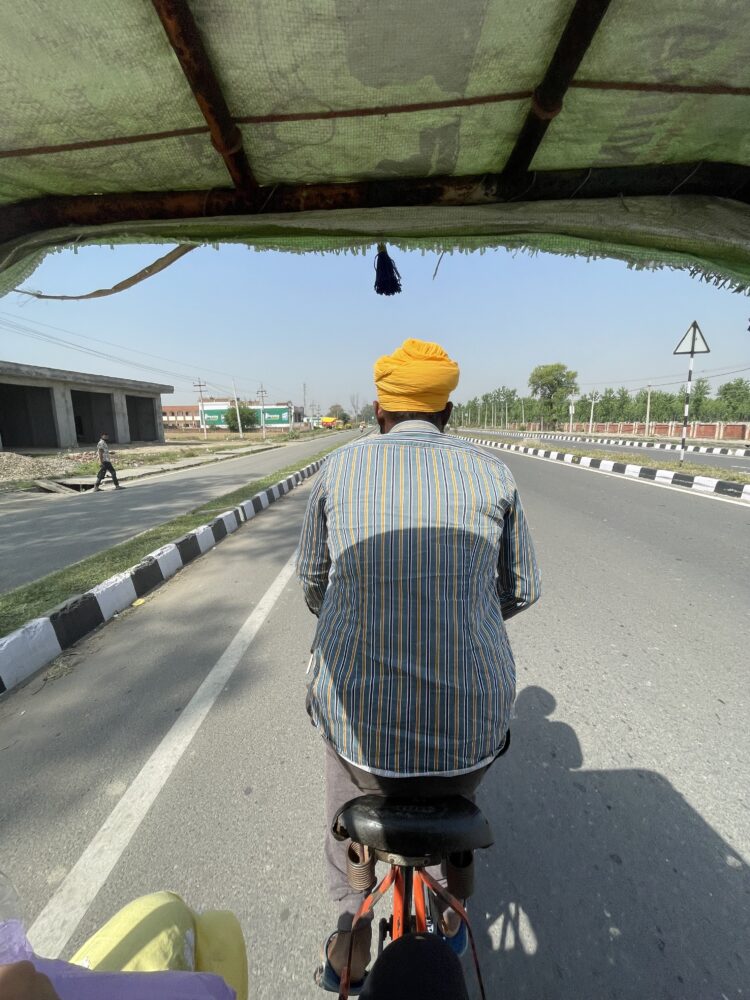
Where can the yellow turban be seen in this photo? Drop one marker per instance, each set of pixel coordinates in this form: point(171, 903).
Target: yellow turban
point(417, 377)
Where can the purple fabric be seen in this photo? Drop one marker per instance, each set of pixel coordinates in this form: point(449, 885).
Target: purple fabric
point(72, 982)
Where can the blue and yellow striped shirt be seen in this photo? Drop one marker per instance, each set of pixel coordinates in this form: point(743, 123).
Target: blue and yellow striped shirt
point(413, 551)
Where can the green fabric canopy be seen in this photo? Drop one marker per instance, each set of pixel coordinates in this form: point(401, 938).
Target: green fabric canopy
point(338, 91)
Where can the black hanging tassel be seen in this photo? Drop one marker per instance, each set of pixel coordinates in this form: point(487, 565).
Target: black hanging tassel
point(387, 278)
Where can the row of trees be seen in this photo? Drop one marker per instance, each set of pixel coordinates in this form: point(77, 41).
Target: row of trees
point(357, 413)
point(552, 387)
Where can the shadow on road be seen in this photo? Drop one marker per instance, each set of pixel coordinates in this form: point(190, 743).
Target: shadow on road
point(602, 884)
point(118, 692)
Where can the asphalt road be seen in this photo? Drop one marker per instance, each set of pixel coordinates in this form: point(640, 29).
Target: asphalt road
point(620, 868)
point(633, 454)
point(41, 534)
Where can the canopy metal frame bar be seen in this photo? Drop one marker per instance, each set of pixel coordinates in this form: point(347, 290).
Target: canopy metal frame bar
point(547, 99)
point(187, 43)
point(724, 180)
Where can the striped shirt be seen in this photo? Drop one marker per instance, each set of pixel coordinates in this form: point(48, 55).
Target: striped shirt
point(413, 551)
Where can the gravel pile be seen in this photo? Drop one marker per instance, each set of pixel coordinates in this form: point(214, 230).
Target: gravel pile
point(14, 467)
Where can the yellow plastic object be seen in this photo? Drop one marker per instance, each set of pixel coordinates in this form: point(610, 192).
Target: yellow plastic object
point(160, 932)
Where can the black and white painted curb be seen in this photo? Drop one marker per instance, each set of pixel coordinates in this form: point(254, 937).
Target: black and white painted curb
point(703, 484)
point(38, 642)
point(628, 442)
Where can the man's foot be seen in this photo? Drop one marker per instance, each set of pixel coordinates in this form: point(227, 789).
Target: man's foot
point(118, 487)
point(97, 489)
point(453, 930)
point(335, 956)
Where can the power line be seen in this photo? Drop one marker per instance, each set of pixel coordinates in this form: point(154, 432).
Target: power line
point(110, 343)
point(681, 381)
point(158, 357)
point(25, 330)
point(652, 379)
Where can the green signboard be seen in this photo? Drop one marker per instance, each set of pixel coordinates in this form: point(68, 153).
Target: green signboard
point(275, 416)
point(215, 416)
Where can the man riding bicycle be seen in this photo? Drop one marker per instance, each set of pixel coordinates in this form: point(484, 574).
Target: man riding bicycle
point(414, 552)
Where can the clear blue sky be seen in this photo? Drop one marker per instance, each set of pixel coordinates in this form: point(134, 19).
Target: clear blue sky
point(286, 319)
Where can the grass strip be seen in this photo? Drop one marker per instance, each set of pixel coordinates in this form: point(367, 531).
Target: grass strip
point(33, 600)
point(672, 465)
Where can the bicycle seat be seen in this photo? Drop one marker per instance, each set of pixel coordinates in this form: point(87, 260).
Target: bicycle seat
point(416, 830)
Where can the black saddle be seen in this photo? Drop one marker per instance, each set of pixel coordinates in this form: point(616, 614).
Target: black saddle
point(413, 828)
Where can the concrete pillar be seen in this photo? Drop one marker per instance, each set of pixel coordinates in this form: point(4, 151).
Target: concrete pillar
point(62, 411)
point(120, 413)
point(158, 420)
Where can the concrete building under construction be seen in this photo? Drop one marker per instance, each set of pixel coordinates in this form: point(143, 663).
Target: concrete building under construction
point(50, 408)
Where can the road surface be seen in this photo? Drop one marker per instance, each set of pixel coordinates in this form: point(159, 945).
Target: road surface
point(620, 868)
point(41, 534)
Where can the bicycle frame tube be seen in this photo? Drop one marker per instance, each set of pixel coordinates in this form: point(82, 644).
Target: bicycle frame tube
point(408, 884)
point(377, 893)
point(420, 907)
point(402, 896)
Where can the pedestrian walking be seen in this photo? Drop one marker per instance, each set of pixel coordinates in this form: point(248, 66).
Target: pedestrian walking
point(105, 464)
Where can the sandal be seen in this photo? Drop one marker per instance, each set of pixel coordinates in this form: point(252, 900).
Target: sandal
point(459, 941)
point(328, 979)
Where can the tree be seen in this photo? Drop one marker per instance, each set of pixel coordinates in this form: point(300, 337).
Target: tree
point(338, 411)
point(701, 390)
point(735, 399)
point(552, 384)
point(367, 413)
point(605, 409)
point(354, 403)
point(250, 418)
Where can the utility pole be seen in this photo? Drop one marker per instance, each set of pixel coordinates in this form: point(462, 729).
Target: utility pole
point(304, 403)
point(200, 386)
point(237, 408)
point(648, 409)
point(493, 415)
point(523, 414)
point(262, 393)
point(506, 411)
point(594, 399)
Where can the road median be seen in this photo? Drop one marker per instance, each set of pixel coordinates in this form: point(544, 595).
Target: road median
point(736, 489)
point(32, 635)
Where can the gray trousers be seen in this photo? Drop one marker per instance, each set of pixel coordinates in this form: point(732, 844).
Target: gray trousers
point(344, 781)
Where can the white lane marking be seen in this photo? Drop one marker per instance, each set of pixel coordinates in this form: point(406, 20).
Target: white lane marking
point(59, 919)
point(685, 491)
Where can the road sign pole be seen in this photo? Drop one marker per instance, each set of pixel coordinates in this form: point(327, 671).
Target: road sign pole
point(692, 343)
point(687, 408)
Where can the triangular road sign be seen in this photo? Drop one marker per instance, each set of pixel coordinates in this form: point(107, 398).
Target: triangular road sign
point(693, 342)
